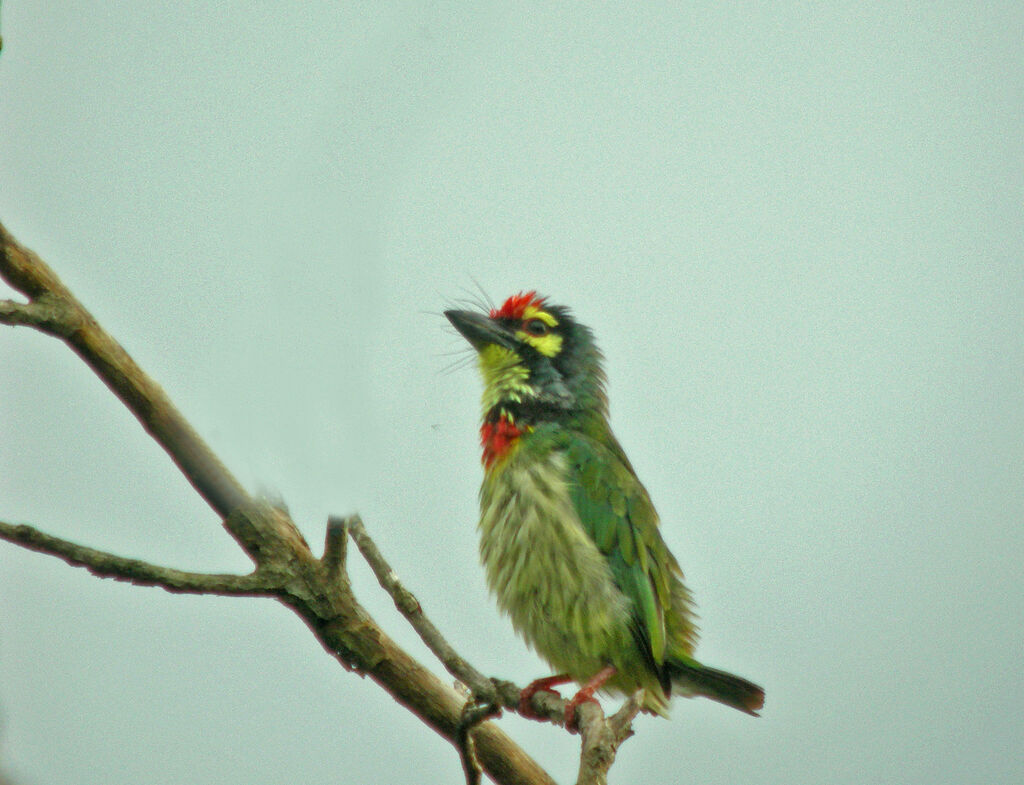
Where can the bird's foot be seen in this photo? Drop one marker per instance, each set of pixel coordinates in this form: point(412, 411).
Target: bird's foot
point(539, 685)
point(585, 695)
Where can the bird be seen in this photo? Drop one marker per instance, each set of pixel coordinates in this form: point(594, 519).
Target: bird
point(569, 539)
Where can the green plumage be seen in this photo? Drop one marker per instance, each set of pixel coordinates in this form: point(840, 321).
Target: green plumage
point(569, 538)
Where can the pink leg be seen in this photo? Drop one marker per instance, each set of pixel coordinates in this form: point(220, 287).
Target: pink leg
point(586, 694)
point(540, 685)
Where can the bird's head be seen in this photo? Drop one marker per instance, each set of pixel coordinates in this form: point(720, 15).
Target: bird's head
point(538, 363)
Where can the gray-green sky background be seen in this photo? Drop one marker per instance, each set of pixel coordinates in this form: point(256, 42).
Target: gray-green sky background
point(795, 228)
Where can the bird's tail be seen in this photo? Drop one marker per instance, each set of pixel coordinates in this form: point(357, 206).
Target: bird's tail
point(692, 678)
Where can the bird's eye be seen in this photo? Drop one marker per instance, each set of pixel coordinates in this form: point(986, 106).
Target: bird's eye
point(536, 327)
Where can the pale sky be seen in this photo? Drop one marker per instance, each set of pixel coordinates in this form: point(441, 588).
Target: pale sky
point(796, 230)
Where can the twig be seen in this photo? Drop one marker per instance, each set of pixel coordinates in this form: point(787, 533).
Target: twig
point(602, 738)
point(262, 582)
point(473, 714)
point(483, 689)
point(44, 313)
point(335, 547)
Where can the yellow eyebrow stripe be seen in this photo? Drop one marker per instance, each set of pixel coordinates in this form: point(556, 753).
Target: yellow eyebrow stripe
point(533, 312)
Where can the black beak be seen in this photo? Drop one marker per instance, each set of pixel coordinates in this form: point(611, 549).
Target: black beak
point(480, 330)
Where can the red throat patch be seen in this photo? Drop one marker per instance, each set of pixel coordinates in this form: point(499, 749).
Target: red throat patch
point(497, 439)
point(515, 305)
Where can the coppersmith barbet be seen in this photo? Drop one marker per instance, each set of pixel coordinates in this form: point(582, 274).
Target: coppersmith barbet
point(569, 538)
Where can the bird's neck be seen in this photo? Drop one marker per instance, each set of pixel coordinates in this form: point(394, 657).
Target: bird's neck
point(498, 436)
point(504, 425)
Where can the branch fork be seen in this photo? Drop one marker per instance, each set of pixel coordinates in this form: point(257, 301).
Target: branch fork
point(318, 590)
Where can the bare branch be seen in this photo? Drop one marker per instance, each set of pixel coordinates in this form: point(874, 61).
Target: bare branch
point(43, 313)
point(482, 688)
point(52, 309)
point(316, 590)
point(621, 722)
point(602, 738)
point(262, 582)
point(473, 714)
point(335, 546)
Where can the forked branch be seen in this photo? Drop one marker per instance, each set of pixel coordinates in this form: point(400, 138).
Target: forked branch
point(317, 590)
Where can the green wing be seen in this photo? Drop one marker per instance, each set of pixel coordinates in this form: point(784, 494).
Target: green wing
point(617, 513)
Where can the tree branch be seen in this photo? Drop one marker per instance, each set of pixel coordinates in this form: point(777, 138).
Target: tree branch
point(262, 582)
point(483, 703)
point(602, 738)
point(473, 713)
point(52, 309)
point(317, 590)
point(482, 688)
point(485, 691)
point(335, 546)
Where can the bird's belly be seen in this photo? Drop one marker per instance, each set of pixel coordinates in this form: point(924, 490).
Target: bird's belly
point(545, 570)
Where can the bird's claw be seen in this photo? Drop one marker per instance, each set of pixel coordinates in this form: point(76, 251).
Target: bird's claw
point(539, 685)
point(586, 695)
point(572, 714)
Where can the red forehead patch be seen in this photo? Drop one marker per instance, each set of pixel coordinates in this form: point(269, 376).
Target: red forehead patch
point(515, 305)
